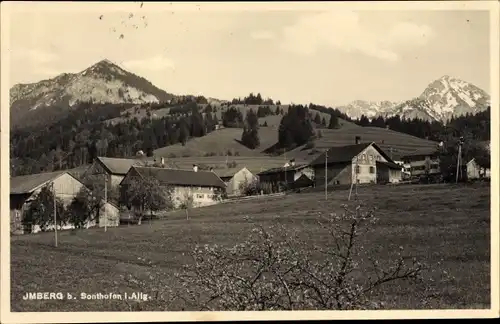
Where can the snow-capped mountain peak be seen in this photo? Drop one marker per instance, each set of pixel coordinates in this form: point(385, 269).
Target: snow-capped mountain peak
point(443, 98)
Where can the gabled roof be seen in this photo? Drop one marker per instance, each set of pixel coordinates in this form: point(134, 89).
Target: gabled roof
point(28, 183)
point(345, 154)
point(180, 177)
point(118, 166)
point(391, 165)
point(303, 181)
point(228, 172)
point(283, 169)
point(421, 152)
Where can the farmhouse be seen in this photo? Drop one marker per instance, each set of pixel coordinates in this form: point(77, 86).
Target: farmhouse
point(423, 161)
point(475, 171)
point(114, 169)
point(357, 163)
point(24, 189)
point(235, 179)
point(286, 174)
point(204, 187)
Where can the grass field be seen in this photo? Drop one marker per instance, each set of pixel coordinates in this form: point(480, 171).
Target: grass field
point(446, 226)
point(220, 141)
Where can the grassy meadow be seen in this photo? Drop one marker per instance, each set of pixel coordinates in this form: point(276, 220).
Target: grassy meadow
point(445, 226)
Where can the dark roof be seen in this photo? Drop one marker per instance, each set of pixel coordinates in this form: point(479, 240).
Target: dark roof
point(118, 166)
point(181, 177)
point(29, 183)
point(391, 165)
point(283, 169)
point(343, 154)
point(421, 152)
point(228, 172)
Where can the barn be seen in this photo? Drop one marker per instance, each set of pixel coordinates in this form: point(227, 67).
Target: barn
point(235, 179)
point(24, 189)
point(114, 169)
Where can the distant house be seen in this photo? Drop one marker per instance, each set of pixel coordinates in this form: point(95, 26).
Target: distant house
point(475, 171)
point(422, 161)
point(302, 182)
point(286, 174)
point(235, 178)
point(114, 169)
point(357, 163)
point(24, 189)
point(203, 186)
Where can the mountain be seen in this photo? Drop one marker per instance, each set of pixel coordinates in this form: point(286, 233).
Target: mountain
point(370, 109)
point(103, 82)
point(443, 98)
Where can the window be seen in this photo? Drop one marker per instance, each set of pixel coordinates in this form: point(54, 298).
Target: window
point(370, 157)
point(372, 169)
point(378, 158)
point(358, 169)
point(364, 157)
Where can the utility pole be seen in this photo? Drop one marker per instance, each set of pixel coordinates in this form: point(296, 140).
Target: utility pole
point(326, 174)
point(459, 158)
point(105, 202)
point(355, 182)
point(55, 211)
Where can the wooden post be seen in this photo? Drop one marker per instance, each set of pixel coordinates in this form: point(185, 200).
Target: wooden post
point(326, 175)
point(55, 211)
point(105, 202)
point(459, 158)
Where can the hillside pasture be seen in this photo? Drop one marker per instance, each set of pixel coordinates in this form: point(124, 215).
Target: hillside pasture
point(450, 232)
point(399, 142)
point(219, 142)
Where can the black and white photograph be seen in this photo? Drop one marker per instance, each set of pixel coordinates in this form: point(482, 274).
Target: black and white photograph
point(274, 159)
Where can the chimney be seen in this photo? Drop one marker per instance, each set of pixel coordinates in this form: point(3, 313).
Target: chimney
point(195, 168)
point(358, 139)
point(292, 162)
point(162, 162)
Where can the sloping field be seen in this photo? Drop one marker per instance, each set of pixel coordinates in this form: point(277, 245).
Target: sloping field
point(399, 142)
point(219, 142)
point(450, 232)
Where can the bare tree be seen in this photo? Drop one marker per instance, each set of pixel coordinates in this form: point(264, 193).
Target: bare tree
point(275, 270)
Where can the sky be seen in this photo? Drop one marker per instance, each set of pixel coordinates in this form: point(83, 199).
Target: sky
point(328, 56)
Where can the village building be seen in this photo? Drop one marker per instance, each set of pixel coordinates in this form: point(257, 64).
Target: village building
point(113, 169)
point(475, 171)
point(235, 179)
point(204, 187)
point(24, 189)
point(285, 175)
point(423, 162)
point(357, 163)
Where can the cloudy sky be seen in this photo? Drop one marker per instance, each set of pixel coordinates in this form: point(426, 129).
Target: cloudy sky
point(328, 55)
